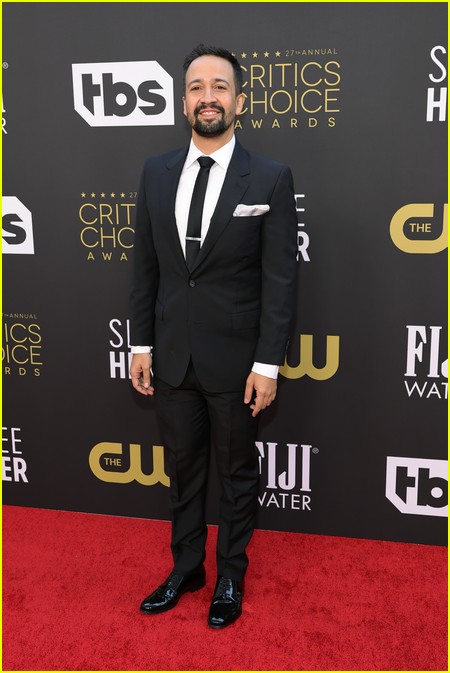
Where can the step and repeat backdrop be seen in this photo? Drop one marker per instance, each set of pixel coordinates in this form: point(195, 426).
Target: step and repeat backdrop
point(352, 96)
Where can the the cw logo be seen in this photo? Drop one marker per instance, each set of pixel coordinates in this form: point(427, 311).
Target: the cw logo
point(107, 451)
point(422, 245)
point(306, 365)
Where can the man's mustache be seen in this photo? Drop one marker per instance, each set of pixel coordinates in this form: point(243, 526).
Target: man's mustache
point(213, 106)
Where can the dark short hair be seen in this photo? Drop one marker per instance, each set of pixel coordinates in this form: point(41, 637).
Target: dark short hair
point(202, 50)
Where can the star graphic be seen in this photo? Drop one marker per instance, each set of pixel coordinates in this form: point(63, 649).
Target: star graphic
point(83, 194)
point(122, 195)
point(113, 195)
point(255, 54)
point(243, 55)
point(278, 53)
point(93, 194)
point(103, 195)
point(266, 54)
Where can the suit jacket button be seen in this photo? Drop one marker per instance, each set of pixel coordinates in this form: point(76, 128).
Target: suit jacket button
point(192, 283)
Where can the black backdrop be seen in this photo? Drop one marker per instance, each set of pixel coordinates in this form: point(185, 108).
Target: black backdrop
point(352, 97)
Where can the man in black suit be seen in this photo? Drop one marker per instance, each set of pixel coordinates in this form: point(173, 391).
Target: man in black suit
point(213, 295)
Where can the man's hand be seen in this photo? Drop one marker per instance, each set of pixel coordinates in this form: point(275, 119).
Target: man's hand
point(141, 365)
point(266, 390)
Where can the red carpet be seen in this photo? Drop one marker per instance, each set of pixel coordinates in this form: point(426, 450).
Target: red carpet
point(73, 584)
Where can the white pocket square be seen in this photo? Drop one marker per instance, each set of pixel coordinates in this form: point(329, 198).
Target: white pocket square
point(249, 211)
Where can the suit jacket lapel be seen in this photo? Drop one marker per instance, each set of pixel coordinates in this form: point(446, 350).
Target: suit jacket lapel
point(234, 186)
point(168, 185)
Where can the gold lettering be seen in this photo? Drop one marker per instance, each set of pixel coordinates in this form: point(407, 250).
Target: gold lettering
point(119, 237)
point(330, 72)
point(103, 237)
point(14, 357)
point(283, 66)
point(420, 227)
point(306, 365)
point(417, 246)
point(302, 101)
point(86, 245)
point(328, 99)
point(105, 216)
point(302, 74)
point(35, 352)
point(36, 334)
point(128, 206)
point(244, 83)
point(254, 78)
point(254, 102)
point(12, 329)
point(288, 105)
point(87, 205)
point(134, 472)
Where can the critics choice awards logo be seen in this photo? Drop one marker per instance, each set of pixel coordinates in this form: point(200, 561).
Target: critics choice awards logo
point(105, 221)
point(14, 466)
point(290, 88)
point(426, 374)
point(22, 350)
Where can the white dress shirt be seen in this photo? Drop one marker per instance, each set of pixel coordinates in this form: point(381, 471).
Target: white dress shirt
point(217, 173)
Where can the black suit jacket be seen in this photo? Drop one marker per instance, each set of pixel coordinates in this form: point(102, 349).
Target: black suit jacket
point(236, 305)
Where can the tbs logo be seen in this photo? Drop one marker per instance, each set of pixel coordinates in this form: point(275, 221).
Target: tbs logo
point(417, 485)
point(135, 93)
point(17, 227)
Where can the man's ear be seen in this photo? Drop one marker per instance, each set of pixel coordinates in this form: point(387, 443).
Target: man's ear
point(240, 101)
point(184, 106)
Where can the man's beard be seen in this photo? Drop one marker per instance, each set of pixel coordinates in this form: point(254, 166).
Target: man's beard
point(213, 127)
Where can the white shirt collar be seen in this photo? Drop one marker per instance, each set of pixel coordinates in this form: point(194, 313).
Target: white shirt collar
point(221, 156)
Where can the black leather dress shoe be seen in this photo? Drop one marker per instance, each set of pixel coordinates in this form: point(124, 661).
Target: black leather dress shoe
point(226, 605)
point(166, 596)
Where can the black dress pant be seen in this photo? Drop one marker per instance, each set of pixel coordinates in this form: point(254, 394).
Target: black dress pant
point(192, 422)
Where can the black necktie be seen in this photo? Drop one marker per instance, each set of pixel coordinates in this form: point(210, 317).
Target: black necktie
point(194, 227)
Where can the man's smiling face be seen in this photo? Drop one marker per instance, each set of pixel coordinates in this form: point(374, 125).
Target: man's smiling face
point(211, 102)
